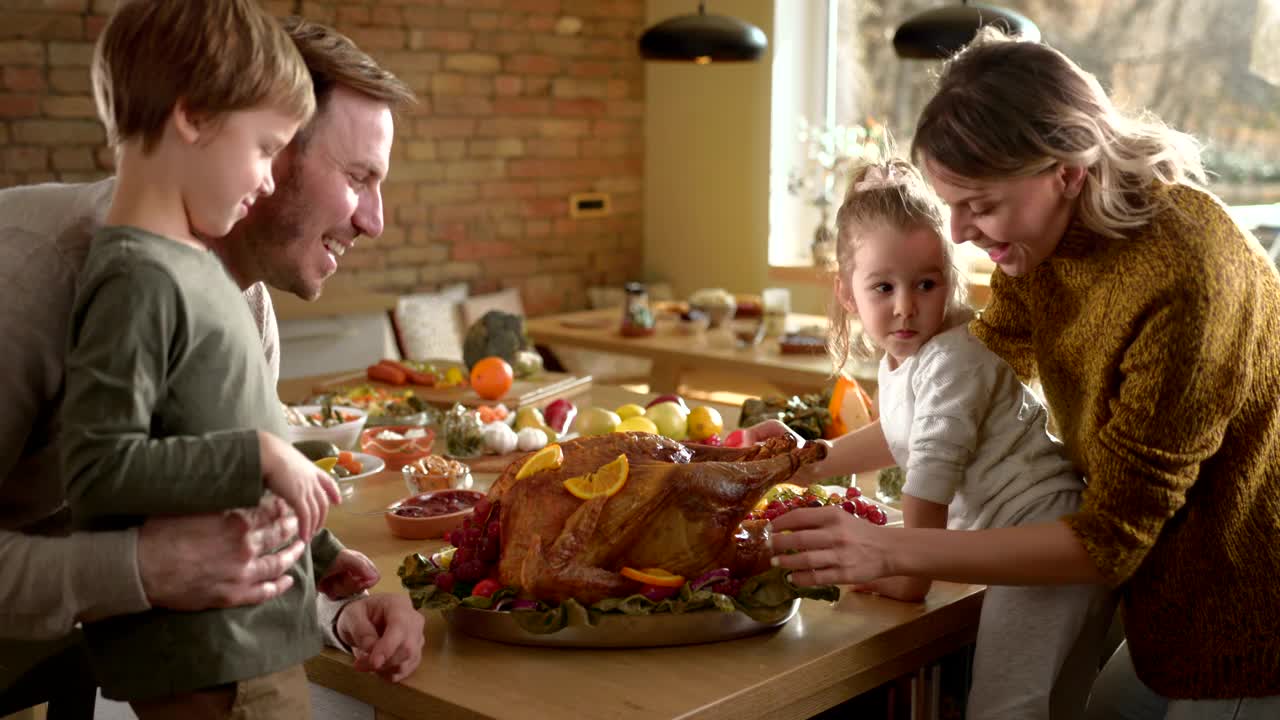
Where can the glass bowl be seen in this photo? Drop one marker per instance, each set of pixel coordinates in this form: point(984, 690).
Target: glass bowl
point(436, 472)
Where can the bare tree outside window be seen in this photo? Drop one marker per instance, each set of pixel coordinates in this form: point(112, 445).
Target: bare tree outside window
point(1194, 63)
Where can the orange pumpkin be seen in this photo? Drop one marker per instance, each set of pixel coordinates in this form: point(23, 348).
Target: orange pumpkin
point(851, 408)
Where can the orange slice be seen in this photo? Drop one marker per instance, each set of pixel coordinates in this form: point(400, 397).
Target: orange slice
point(606, 481)
point(550, 457)
point(653, 576)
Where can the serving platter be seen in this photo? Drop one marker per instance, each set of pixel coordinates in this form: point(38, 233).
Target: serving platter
point(621, 631)
point(537, 389)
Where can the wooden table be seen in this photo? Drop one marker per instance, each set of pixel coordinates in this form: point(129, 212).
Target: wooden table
point(827, 654)
point(673, 353)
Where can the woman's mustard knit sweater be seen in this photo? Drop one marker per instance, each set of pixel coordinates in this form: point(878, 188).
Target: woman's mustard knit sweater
point(1159, 354)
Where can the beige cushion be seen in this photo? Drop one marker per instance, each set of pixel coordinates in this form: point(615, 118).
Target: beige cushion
point(474, 308)
point(429, 325)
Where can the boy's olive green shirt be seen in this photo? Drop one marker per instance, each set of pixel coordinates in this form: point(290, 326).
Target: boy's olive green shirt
point(166, 389)
point(1159, 354)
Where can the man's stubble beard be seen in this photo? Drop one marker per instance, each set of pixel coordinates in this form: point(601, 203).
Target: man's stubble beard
point(275, 231)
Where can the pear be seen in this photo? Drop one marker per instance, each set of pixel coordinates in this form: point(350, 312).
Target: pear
point(531, 417)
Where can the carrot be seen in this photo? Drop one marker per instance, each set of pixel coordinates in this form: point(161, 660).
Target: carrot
point(386, 374)
point(414, 376)
point(348, 460)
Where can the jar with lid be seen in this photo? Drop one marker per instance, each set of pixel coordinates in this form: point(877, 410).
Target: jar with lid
point(637, 318)
point(777, 305)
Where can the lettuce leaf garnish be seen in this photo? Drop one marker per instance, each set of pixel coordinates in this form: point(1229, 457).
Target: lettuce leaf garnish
point(762, 597)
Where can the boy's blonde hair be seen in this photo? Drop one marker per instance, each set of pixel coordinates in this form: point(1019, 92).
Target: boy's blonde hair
point(893, 195)
point(215, 56)
point(1008, 108)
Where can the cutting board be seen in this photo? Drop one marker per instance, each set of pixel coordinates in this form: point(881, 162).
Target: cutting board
point(534, 390)
point(493, 463)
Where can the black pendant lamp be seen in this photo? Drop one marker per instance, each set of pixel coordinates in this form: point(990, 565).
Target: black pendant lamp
point(703, 39)
point(939, 33)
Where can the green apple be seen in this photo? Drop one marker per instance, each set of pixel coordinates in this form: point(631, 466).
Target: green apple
point(671, 419)
point(595, 421)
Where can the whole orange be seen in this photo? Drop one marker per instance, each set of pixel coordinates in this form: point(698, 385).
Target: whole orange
point(491, 377)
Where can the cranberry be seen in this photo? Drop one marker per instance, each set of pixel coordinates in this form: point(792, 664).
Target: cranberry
point(494, 530)
point(444, 581)
point(877, 516)
point(486, 588)
point(469, 571)
point(773, 514)
point(775, 505)
point(849, 507)
point(463, 554)
point(852, 492)
point(489, 550)
point(813, 502)
point(482, 510)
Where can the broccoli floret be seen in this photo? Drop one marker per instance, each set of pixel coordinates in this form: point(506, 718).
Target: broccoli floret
point(890, 483)
point(497, 333)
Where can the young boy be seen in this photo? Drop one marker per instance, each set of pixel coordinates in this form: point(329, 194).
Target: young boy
point(169, 407)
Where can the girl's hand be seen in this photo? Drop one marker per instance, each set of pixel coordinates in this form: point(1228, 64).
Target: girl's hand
point(306, 489)
point(767, 429)
point(831, 547)
point(807, 474)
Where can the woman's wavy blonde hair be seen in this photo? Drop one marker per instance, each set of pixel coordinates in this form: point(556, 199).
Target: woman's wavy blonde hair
point(890, 194)
point(1009, 108)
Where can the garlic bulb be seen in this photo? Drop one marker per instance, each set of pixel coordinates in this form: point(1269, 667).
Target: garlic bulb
point(531, 438)
point(499, 438)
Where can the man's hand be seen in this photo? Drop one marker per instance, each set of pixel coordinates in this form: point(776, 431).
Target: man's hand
point(350, 573)
point(385, 634)
point(218, 560)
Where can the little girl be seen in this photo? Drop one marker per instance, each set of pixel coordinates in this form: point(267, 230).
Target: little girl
point(970, 437)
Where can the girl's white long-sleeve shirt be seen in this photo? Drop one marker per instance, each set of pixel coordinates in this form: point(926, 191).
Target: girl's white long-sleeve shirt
point(968, 434)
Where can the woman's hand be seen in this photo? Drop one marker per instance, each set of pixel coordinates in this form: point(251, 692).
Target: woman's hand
point(906, 589)
point(828, 546)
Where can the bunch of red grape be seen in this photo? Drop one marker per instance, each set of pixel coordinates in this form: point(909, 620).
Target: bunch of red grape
point(479, 546)
point(851, 502)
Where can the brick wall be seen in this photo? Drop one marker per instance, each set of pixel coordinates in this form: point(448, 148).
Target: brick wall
point(522, 102)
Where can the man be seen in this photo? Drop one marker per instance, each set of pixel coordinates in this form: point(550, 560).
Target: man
point(328, 194)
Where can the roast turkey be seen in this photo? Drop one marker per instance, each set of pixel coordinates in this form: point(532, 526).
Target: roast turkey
point(681, 510)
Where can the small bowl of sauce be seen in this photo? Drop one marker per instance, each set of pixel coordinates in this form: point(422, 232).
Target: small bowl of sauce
point(430, 514)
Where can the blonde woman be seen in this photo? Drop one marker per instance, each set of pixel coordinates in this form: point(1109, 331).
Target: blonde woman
point(1150, 319)
point(971, 438)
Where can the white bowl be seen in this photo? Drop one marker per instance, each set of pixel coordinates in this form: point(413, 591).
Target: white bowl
point(346, 435)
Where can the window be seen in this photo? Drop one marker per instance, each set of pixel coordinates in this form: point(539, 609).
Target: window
point(1208, 67)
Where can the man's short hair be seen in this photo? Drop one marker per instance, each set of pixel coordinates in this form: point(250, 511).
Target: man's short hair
point(334, 60)
point(215, 56)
